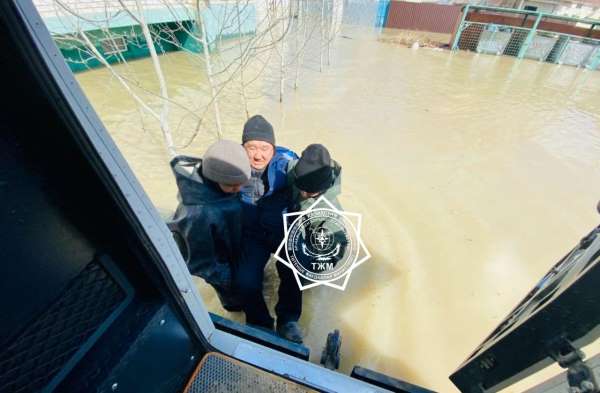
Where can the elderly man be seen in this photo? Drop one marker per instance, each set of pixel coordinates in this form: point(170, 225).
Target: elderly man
point(265, 198)
point(207, 222)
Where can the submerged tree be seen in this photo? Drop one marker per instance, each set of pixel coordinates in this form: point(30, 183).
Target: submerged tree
point(241, 47)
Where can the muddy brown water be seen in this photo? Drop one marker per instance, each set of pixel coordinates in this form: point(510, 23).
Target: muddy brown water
point(474, 175)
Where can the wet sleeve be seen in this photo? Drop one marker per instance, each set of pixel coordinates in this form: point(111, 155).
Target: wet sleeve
point(203, 245)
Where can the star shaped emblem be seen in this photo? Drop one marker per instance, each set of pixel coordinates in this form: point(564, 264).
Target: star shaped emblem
point(322, 245)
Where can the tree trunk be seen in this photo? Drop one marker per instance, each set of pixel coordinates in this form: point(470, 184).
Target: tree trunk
point(209, 73)
point(164, 114)
point(282, 56)
point(300, 49)
point(242, 86)
point(322, 34)
point(123, 83)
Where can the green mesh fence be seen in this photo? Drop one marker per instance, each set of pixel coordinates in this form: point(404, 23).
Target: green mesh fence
point(531, 35)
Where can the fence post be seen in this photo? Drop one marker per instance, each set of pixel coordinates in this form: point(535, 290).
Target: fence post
point(594, 61)
point(530, 36)
point(460, 28)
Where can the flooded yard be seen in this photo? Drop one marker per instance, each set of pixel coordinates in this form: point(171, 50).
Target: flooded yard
point(474, 175)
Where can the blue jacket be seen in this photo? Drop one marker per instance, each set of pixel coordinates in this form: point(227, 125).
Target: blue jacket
point(276, 172)
point(265, 219)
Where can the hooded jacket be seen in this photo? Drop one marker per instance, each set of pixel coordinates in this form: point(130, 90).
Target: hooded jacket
point(208, 221)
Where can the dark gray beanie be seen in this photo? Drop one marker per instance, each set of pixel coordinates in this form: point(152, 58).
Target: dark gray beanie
point(226, 162)
point(314, 172)
point(257, 128)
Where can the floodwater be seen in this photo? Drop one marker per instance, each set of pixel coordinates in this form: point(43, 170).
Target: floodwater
point(474, 175)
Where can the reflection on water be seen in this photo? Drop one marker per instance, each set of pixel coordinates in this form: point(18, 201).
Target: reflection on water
point(474, 175)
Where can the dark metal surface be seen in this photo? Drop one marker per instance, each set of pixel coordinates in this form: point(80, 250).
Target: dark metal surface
point(36, 223)
point(52, 344)
point(160, 359)
point(62, 209)
point(97, 363)
point(82, 169)
point(386, 382)
point(565, 305)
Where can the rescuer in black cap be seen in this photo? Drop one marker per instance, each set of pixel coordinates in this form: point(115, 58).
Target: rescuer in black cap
point(314, 175)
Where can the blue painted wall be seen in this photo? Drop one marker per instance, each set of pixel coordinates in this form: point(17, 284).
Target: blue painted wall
point(220, 19)
point(383, 8)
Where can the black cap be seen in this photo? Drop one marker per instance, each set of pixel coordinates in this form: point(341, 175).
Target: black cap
point(314, 172)
point(257, 128)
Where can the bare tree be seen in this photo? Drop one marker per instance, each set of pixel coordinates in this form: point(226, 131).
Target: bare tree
point(164, 115)
point(209, 71)
point(248, 41)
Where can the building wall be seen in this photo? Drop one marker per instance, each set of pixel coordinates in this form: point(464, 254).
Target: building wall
point(554, 26)
point(586, 9)
point(579, 10)
point(437, 18)
point(101, 19)
point(79, 59)
point(541, 6)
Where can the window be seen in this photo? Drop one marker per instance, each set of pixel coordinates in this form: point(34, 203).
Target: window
point(113, 45)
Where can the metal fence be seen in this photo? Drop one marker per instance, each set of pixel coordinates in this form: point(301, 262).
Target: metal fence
point(532, 35)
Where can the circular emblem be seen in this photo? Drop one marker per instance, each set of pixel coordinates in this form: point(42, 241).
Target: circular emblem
point(321, 239)
point(322, 245)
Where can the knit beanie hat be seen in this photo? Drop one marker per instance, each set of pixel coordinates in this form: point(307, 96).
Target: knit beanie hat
point(226, 162)
point(257, 128)
point(314, 172)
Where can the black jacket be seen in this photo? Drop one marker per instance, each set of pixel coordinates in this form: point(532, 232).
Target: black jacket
point(208, 221)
